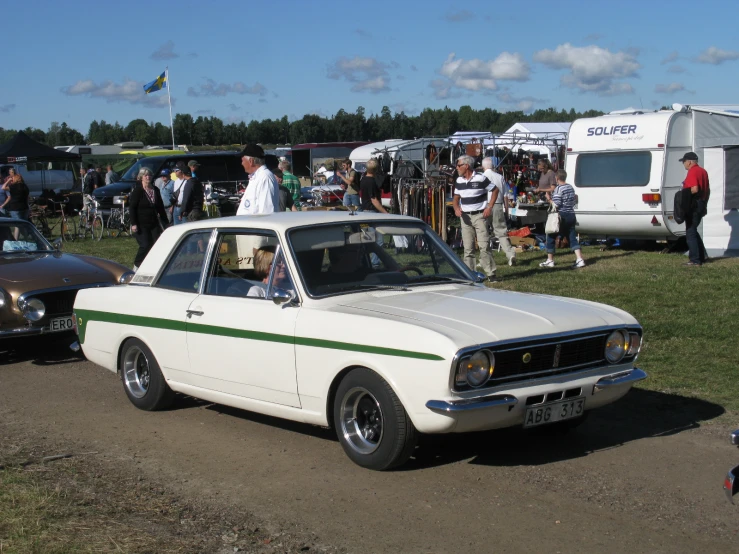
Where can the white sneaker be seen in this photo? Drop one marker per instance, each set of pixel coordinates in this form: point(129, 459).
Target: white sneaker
point(578, 264)
point(548, 263)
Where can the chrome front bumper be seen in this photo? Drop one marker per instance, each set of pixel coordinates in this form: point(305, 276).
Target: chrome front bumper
point(21, 332)
point(628, 377)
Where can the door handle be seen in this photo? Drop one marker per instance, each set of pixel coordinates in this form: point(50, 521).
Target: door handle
point(191, 313)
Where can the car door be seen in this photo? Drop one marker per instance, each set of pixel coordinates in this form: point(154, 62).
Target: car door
point(239, 342)
point(163, 306)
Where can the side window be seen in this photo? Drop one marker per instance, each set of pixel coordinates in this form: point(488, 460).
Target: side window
point(184, 267)
point(235, 169)
point(239, 268)
point(212, 169)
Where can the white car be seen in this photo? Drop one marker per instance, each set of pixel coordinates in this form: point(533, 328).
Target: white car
point(367, 323)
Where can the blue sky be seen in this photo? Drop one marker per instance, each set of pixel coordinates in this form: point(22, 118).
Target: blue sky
point(76, 61)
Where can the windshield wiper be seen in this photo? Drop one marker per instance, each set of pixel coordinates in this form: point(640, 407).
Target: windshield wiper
point(377, 287)
point(444, 278)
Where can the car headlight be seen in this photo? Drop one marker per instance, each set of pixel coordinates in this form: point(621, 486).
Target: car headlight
point(617, 344)
point(126, 277)
point(476, 370)
point(4, 298)
point(33, 309)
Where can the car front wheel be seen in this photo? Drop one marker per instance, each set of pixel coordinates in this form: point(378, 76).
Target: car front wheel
point(142, 379)
point(371, 423)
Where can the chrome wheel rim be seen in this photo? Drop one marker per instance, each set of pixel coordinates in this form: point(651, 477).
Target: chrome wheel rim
point(362, 422)
point(136, 375)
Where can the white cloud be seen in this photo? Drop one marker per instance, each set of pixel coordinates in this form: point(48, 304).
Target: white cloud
point(676, 69)
point(129, 91)
point(460, 16)
point(7, 108)
point(365, 74)
point(672, 88)
point(525, 104)
point(479, 75)
point(669, 58)
point(443, 89)
point(165, 52)
point(211, 88)
point(591, 68)
point(716, 56)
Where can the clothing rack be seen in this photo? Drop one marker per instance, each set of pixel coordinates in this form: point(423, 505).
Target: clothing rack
point(425, 199)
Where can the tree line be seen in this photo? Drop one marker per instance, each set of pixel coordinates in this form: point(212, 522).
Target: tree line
point(340, 127)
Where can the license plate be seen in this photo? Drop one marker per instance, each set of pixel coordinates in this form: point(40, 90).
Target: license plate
point(60, 324)
point(554, 411)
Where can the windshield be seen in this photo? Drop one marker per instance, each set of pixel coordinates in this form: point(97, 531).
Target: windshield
point(21, 236)
point(394, 255)
point(133, 172)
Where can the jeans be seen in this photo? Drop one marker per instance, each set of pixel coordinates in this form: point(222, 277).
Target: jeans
point(353, 200)
point(476, 226)
point(567, 222)
point(146, 237)
point(696, 250)
point(176, 216)
point(20, 214)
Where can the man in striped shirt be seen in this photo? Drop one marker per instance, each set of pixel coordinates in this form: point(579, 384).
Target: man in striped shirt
point(471, 206)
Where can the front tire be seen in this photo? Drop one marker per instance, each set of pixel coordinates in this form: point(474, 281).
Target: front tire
point(97, 227)
point(142, 379)
point(372, 426)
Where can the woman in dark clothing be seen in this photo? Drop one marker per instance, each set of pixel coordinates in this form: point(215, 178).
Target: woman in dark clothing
point(18, 191)
point(148, 217)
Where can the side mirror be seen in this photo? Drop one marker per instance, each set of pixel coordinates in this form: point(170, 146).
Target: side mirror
point(479, 277)
point(57, 244)
point(281, 296)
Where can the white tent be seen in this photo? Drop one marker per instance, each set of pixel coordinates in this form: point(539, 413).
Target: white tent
point(532, 137)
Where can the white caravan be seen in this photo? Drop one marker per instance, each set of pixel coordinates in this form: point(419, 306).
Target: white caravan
point(625, 169)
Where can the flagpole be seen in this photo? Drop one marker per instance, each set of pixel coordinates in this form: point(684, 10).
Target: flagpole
point(169, 96)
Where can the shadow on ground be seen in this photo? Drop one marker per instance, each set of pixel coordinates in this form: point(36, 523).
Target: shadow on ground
point(641, 414)
point(41, 350)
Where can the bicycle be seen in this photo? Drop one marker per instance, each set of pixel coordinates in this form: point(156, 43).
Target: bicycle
point(119, 221)
point(90, 220)
point(49, 220)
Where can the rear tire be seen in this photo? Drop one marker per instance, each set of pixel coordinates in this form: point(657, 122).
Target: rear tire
point(142, 379)
point(372, 426)
point(68, 229)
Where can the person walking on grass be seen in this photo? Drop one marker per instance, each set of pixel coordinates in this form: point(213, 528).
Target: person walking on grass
point(563, 197)
point(697, 181)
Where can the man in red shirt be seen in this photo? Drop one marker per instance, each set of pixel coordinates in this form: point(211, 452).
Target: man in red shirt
point(697, 181)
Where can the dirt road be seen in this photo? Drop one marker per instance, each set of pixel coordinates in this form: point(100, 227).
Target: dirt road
point(643, 475)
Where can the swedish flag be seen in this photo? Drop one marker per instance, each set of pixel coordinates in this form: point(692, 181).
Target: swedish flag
point(157, 84)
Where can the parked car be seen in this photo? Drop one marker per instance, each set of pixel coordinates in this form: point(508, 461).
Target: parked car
point(731, 483)
point(38, 283)
point(222, 169)
point(368, 323)
point(38, 181)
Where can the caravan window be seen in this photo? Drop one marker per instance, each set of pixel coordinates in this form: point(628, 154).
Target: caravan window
point(613, 169)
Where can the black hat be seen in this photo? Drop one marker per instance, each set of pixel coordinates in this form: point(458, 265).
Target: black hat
point(689, 156)
point(253, 151)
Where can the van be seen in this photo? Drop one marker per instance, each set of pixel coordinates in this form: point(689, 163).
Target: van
point(223, 170)
point(59, 180)
point(625, 169)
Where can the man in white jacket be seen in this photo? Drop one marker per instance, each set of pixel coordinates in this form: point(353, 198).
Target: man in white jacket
point(262, 194)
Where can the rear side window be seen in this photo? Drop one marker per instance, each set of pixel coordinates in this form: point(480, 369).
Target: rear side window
point(235, 169)
point(212, 169)
point(185, 266)
point(613, 169)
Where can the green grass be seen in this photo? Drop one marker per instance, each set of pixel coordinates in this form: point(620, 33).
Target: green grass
point(687, 312)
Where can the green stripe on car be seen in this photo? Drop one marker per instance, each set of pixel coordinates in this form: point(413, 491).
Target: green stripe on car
point(85, 316)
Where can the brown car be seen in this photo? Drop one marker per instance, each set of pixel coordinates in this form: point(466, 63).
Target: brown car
point(38, 283)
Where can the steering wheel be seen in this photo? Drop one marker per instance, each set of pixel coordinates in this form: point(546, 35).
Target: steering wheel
point(410, 268)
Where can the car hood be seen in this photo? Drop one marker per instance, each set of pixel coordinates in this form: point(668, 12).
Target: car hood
point(486, 315)
point(114, 189)
point(45, 270)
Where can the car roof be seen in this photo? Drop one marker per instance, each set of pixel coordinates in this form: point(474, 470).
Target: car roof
point(283, 221)
point(193, 155)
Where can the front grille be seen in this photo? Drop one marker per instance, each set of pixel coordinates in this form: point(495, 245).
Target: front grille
point(58, 302)
point(543, 358)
